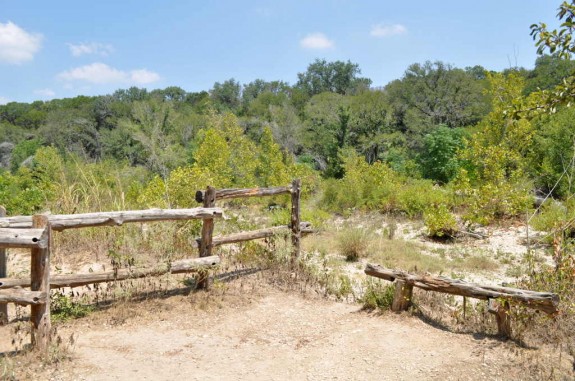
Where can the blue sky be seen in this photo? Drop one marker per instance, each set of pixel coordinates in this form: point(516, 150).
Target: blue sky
point(62, 48)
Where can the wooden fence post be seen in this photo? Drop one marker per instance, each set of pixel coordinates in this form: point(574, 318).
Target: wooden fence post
point(3, 274)
point(206, 243)
point(40, 281)
point(501, 311)
point(295, 218)
point(402, 296)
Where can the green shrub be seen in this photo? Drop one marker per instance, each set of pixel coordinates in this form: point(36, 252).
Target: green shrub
point(377, 294)
point(353, 243)
point(63, 308)
point(440, 222)
point(416, 196)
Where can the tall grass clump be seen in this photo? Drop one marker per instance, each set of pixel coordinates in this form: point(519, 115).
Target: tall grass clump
point(353, 243)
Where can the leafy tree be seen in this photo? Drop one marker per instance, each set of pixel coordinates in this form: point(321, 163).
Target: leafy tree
point(549, 71)
point(370, 125)
point(226, 95)
point(276, 93)
point(438, 159)
point(496, 156)
point(271, 170)
point(132, 94)
point(327, 130)
point(72, 131)
point(552, 157)
point(336, 77)
point(22, 151)
point(435, 93)
point(153, 125)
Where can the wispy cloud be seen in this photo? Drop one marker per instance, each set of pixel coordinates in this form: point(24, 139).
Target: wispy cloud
point(45, 93)
point(4, 100)
point(100, 73)
point(90, 48)
point(383, 30)
point(317, 41)
point(17, 45)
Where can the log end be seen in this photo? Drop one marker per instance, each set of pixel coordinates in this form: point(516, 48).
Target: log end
point(200, 196)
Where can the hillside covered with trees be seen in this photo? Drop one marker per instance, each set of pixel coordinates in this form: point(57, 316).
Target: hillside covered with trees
point(440, 136)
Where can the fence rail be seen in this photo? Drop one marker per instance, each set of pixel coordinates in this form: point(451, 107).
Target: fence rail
point(34, 233)
point(499, 298)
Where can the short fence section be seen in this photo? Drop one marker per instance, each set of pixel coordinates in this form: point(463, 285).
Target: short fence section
point(499, 298)
point(34, 233)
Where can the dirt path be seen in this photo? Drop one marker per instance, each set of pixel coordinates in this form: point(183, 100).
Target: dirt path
point(276, 336)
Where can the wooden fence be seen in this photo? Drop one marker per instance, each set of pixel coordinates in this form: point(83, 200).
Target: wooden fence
point(34, 232)
point(499, 298)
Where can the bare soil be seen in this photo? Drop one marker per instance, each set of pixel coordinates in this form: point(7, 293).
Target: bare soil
point(249, 331)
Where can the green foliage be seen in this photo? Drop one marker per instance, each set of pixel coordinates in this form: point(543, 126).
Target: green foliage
point(440, 222)
point(22, 151)
point(557, 41)
point(416, 196)
point(353, 243)
point(438, 158)
point(552, 156)
point(336, 77)
point(377, 294)
point(20, 193)
point(496, 156)
point(63, 308)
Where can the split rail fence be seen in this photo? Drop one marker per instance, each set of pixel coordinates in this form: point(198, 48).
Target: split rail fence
point(34, 233)
point(498, 298)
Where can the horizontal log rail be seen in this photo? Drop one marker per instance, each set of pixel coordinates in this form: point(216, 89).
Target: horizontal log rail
point(76, 280)
point(305, 228)
point(24, 238)
point(20, 296)
point(222, 194)
point(543, 301)
point(61, 222)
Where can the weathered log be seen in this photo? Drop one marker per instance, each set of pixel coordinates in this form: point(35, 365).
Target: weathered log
point(222, 194)
point(23, 238)
point(40, 281)
point(543, 301)
point(256, 234)
point(248, 236)
point(19, 296)
point(76, 280)
point(3, 274)
point(61, 222)
point(295, 218)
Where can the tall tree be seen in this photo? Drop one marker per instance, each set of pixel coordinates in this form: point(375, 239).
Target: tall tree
point(335, 77)
point(226, 95)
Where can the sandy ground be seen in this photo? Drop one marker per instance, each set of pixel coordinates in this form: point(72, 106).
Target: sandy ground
point(250, 331)
point(273, 336)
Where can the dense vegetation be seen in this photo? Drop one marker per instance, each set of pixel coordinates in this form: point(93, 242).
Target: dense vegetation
point(440, 137)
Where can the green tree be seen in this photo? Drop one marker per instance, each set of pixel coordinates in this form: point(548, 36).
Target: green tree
point(327, 130)
point(226, 95)
point(336, 77)
point(438, 159)
point(435, 93)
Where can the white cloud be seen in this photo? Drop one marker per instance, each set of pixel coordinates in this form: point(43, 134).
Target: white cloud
point(100, 73)
point(382, 30)
point(144, 76)
point(316, 41)
point(17, 45)
point(4, 100)
point(90, 48)
point(45, 93)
